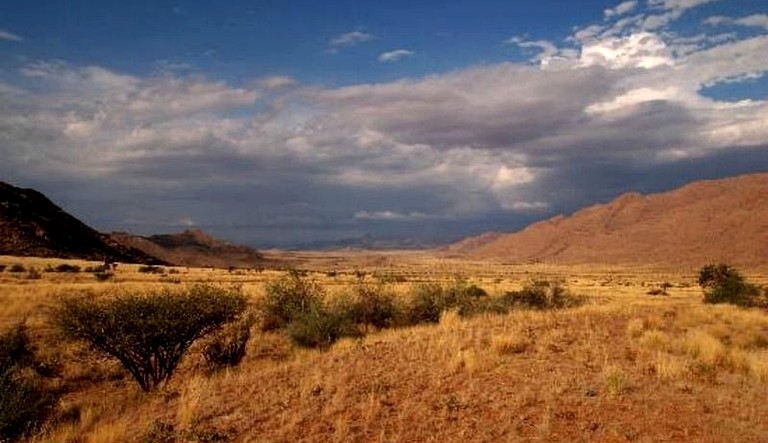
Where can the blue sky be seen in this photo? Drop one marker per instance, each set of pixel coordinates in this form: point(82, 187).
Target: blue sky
point(279, 123)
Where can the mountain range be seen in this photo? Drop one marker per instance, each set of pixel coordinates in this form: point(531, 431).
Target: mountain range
point(192, 247)
point(723, 220)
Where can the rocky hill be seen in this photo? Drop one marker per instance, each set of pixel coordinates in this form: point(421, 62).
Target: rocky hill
point(705, 221)
point(192, 248)
point(32, 225)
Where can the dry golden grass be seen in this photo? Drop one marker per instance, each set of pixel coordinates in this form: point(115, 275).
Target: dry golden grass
point(625, 367)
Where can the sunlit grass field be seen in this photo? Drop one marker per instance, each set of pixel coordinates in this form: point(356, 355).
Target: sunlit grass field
point(626, 366)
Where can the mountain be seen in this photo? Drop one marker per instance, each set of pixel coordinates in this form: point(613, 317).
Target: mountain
point(368, 242)
point(192, 248)
point(706, 221)
point(32, 225)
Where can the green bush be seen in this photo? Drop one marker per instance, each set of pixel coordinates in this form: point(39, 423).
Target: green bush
point(371, 305)
point(722, 283)
point(227, 347)
point(320, 327)
point(289, 298)
point(427, 302)
point(25, 401)
point(541, 294)
point(148, 333)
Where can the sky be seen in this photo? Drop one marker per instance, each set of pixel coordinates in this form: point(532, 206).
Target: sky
point(281, 123)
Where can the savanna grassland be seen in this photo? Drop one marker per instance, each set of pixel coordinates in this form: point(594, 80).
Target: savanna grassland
point(623, 366)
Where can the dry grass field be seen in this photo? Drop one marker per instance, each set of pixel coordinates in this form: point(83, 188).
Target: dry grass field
point(626, 366)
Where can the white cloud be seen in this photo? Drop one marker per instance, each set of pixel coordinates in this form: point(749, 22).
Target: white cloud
point(7, 35)
point(635, 97)
point(525, 206)
point(547, 51)
point(754, 20)
point(390, 216)
point(678, 5)
point(395, 55)
point(641, 50)
point(350, 39)
point(620, 9)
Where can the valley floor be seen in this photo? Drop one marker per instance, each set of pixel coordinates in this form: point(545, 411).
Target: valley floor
point(627, 366)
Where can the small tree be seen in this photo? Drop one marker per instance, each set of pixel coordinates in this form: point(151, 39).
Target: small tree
point(148, 333)
point(724, 284)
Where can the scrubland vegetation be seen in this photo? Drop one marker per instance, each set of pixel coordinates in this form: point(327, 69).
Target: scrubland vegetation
point(423, 350)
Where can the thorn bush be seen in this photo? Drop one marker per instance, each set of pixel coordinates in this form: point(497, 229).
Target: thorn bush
point(148, 333)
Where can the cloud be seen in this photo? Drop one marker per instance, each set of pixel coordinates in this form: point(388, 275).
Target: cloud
point(677, 5)
point(641, 50)
point(395, 55)
point(620, 9)
point(487, 146)
point(277, 82)
point(7, 35)
point(546, 50)
point(390, 216)
point(349, 39)
point(754, 20)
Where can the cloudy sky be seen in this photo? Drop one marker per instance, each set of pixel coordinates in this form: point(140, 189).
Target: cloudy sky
point(285, 122)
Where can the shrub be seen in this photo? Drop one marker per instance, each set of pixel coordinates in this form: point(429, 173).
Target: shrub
point(227, 347)
point(150, 269)
point(371, 305)
point(99, 268)
point(722, 283)
point(66, 267)
point(541, 294)
point(148, 333)
point(2, 267)
point(289, 298)
point(430, 300)
point(426, 304)
point(17, 268)
point(320, 327)
point(25, 401)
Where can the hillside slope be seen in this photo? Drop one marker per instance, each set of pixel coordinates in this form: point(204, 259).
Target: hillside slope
point(32, 225)
point(192, 248)
point(705, 221)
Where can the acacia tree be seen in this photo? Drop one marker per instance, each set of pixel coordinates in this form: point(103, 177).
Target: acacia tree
point(148, 333)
